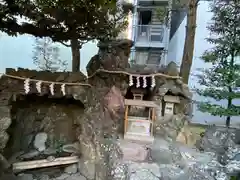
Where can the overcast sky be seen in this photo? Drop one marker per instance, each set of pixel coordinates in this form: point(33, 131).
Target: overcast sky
point(17, 52)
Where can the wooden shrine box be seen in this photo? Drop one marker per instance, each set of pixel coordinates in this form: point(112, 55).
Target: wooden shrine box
point(138, 93)
point(169, 103)
point(139, 128)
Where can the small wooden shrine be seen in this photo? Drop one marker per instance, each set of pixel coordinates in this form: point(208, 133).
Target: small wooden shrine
point(139, 127)
point(136, 127)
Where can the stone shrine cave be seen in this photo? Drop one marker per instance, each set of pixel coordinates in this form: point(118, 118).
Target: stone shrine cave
point(34, 116)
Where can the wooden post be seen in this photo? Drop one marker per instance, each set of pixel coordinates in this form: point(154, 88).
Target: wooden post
point(149, 113)
point(126, 119)
point(153, 114)
point(153, 119)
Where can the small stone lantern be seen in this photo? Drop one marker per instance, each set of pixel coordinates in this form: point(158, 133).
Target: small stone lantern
point(170, 102)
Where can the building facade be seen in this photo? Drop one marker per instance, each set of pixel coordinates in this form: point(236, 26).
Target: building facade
point(153, 24)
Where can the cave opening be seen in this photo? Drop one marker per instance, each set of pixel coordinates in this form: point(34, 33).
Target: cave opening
point(56, 118)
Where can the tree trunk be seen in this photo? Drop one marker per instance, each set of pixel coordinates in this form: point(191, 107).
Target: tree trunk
point(75, 47)
point(230, 90)
point(228, 120)
point(189, 41)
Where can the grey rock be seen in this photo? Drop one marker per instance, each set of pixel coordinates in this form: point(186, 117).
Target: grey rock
point(115, 43)
point(8, 177)
point(172, 69)
point(30, 154)
point(3, 139)
point(185, 107)
point(163, 90)
point(170, 85)
point(49, 151)
point(133, 151)
point(72, 169)
point(50, 158)
point(144, 171)
point(111, 55)
point(5, 122)
point(179, 81)
point(77, 176)
point(160, 152)
point(186, 91)
point(40, 140)
point(27, 141)
point(43, 177)
point(119, 171)
point(222, 142)
point(25, 177)
point(87, 168)
point(172, 172)
point(179, 162)
point(169, 127)
point(63, 176)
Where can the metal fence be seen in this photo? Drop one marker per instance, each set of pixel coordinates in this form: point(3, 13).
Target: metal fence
point(149, 33)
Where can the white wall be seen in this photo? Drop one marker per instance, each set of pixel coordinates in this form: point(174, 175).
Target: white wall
point(175, 53)
point(173, 48)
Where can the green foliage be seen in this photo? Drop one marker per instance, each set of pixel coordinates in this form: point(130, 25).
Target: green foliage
point(46, 56)
point(233, 178)
point(162, 12)
point(58, 144)
point(77, 21)
point(63, 20)
point(220, 82)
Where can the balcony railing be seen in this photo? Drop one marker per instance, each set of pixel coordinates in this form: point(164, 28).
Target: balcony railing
point(149, 33)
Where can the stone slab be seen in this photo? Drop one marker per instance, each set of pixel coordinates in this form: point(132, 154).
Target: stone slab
point(133, 151)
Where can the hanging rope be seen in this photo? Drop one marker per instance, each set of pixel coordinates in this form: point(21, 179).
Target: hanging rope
point(48, 82)
point(51, 84)
point(133, 74)
point(63, 84)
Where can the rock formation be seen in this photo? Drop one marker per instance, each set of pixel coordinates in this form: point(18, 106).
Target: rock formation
point(94, 118)
point(111, 56)
point(86, 120)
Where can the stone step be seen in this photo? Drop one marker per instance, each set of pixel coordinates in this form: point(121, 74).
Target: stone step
point(134, 151)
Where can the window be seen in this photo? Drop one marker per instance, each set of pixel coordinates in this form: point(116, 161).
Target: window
point(145, 17)
point(141, 57)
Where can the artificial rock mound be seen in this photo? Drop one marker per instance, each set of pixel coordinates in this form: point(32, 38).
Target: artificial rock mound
point(93, 113)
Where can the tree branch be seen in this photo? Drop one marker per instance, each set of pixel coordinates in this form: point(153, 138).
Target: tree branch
point(67, 45)
point(197, 1)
